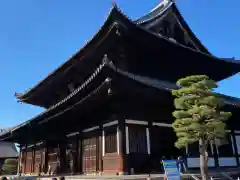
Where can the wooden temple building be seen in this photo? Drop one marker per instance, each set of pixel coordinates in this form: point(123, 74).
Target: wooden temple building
point(109, 107)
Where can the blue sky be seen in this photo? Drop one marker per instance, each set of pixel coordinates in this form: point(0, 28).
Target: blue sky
point(37, 36)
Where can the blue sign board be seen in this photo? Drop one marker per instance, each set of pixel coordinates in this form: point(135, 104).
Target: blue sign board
point(171, 169)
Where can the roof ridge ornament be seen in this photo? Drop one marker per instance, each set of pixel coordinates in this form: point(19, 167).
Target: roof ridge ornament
point(105, 59)
point(114, 3)
point(166, 1)
point(162, 3)
point(117, 8)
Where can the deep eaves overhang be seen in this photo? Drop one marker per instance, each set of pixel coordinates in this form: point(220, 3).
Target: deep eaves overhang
point(116, 16)
point(199, 61)
point(98, 80)
point(99, 38)
point(76, 98)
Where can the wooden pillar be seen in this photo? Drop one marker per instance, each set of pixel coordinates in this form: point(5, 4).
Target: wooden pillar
point(46, 149)
point(42, 151)
point(80, 153)
point(102, 146)
point(33, 159)
point(121, 140)
point(20, 160)
point(149, 138)
point(63, 160)
point(127, 139)
point(103, 142)
point(76, 156)
point(100, 157)
point(149, 144)
point(25, 159)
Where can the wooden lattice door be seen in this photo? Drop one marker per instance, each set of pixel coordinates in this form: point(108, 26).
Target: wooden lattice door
point(90, 155)
point(29, 161)
point(38, 161)
point(53, 158)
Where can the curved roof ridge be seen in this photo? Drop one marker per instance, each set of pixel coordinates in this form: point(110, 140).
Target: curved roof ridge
point(67, 64)
point(164, 2)
point(165, 85)
point(228, 60)
point(103, 84)
point(118, 9)
point(155, 12)
point(76, 91)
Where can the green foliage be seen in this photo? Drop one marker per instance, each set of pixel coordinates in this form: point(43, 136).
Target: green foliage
point(198, 113)
point(9, 167)
point(11, 161)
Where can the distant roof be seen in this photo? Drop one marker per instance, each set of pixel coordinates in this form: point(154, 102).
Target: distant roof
point(8, 150)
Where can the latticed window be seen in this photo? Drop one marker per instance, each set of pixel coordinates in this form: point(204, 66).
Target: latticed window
point(111, 140)
point(38, 156)
point(53, 154)
point(137, 139)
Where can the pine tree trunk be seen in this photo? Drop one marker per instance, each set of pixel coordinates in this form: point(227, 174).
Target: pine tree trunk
point(203, 159)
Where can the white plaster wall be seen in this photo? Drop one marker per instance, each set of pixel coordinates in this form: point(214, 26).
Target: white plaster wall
point(227, 161)
point(195, 162)
point(238, 143)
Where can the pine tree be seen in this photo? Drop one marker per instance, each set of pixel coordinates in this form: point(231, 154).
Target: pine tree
point(198, 115)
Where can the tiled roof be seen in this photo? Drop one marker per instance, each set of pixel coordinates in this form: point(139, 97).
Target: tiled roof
point(8, 150)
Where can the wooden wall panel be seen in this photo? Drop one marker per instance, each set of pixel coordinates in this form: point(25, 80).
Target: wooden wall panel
point(111, 159)
point(43, 159)
point(93, 154)
point(53, 158)
point(29, 160)
point(80, 156)
point(38, 160)
point(23, 161)
point(111, 163)
point(90, 155)
point(85, 155)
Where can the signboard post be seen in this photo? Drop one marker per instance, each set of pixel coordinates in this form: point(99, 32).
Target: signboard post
point(171, 170)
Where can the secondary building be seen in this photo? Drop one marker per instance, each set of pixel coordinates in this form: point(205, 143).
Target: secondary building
point(8, 150)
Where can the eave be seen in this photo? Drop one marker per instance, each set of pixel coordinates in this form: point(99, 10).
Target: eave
point(199, 64)
point(56, 126)
point(167, 86)
point(65, 102)
point(99, 39)
point(117, 18)
point(96, 85)
point(99, 81)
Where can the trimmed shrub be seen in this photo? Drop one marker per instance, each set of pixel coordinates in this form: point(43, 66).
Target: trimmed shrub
point(9, 167)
